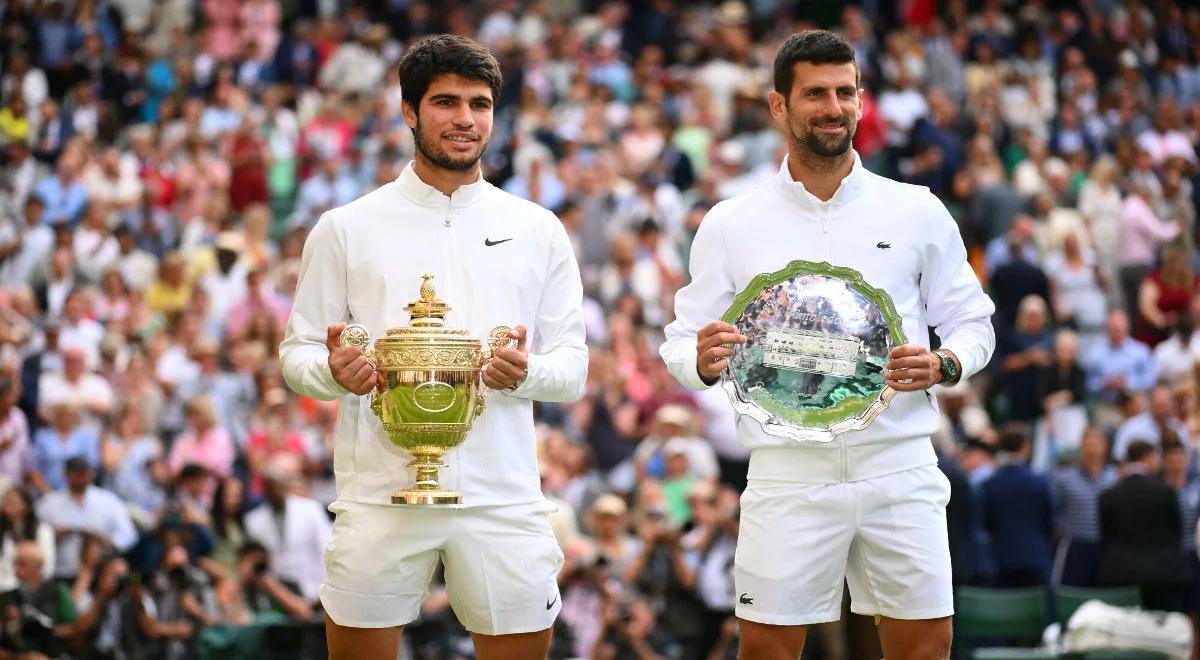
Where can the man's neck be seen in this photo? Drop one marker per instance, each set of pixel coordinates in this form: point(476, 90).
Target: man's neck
point(77, 494)
point(446, 181)
point(820, 175)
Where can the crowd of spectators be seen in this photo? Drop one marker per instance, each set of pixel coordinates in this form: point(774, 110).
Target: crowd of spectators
point(161, 162)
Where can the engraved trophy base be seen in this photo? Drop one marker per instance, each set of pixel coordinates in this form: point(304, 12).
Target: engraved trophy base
point(414, 497)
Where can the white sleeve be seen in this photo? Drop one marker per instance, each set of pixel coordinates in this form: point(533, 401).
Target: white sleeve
point(320, 302)
point(955, 304)
point(558, 354)
point(699, 303)
point(122, 534)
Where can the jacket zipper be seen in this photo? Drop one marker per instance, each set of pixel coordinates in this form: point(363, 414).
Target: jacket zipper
point(825, 232)
point(843, 451)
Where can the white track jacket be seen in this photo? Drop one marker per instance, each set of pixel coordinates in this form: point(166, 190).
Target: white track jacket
point(902, 240)
point(496, 260)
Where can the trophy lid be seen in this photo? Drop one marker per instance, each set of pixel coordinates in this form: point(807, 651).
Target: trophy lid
point(428, 311)
point(427, 322)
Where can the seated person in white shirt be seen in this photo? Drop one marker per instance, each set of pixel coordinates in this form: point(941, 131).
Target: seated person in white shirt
point(82, 507)
point(294, 529)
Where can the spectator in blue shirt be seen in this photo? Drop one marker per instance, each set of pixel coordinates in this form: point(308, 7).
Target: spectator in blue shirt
point(1120, 363)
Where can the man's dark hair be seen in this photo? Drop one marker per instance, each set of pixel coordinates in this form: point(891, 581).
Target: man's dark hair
point(1138, 450)
point(816, 46)
point(1013, 437)
point(446, 54)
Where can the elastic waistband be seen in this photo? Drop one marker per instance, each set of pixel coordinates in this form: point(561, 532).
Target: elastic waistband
point(836, 462)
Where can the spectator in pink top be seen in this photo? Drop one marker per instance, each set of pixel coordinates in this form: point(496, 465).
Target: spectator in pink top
point(1142, 232)
point(260, 24)
point(274, 440)
point(204, 442)
point(223, 41)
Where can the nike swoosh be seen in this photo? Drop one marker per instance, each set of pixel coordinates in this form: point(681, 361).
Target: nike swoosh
point(551, 603)
point(490, 243)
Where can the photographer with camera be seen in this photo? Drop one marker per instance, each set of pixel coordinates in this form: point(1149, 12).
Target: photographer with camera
point(665, 573)
point(181, 595)
point(119, 617)
point(37, 616)
point(715, 514)
point(630, 632)
point(263, 591)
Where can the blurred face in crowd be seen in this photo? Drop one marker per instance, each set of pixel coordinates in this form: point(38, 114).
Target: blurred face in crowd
point(1118, 327)
point(78, 480)
point(14, 506)
point(74, 363)
point(1174, 465)
point(1162, 406)
point(676, 465)
point(453, 124)
point(1093, 450)
point(822, 112)
point(27, 563)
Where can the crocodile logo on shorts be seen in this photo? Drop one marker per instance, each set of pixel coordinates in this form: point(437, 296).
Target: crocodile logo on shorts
point(883, 245)
point(745, 599)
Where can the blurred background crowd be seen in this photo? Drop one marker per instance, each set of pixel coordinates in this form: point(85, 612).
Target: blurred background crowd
point(162, 161)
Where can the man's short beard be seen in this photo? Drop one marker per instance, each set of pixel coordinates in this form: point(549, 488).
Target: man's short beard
point(819, 148)
point(440, 158)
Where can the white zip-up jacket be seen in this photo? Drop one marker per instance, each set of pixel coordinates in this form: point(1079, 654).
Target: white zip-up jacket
point(902, 240)
point(496, 260)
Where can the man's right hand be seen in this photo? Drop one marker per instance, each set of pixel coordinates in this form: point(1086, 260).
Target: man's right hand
point(713, 350)
point(350, 367)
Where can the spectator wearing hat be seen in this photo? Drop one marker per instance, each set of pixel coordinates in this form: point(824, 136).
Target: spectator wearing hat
point(608, 524)
point(675, 422)
point(81, 507)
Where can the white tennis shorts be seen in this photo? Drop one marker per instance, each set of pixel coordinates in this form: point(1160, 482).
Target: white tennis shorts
point(501, 562)
point(884, 536)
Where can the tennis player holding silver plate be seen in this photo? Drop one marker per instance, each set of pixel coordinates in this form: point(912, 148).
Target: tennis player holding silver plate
point(812, 295)
point(817, 344)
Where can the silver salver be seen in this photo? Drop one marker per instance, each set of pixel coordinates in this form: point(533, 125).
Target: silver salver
point(818, 339)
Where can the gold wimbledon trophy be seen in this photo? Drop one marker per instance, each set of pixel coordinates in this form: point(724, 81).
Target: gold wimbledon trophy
point(432, 392)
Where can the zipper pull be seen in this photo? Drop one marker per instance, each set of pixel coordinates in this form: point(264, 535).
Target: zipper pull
point(446, 222)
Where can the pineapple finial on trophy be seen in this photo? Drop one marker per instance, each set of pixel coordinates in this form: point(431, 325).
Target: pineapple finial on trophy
point(427, 311)
point(427, 292)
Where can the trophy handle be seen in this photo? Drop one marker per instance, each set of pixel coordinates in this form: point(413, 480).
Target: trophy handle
point(497, 338)
point(356, 335)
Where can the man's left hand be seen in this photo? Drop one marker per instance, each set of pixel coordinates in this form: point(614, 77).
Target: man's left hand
point(913, 367)
point(508, 365)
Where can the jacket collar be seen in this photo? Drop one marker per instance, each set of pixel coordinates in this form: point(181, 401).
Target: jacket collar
point(847, 190)
point(426, 195)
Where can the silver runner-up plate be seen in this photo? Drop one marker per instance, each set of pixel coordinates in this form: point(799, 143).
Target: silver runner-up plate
point(817, 342)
